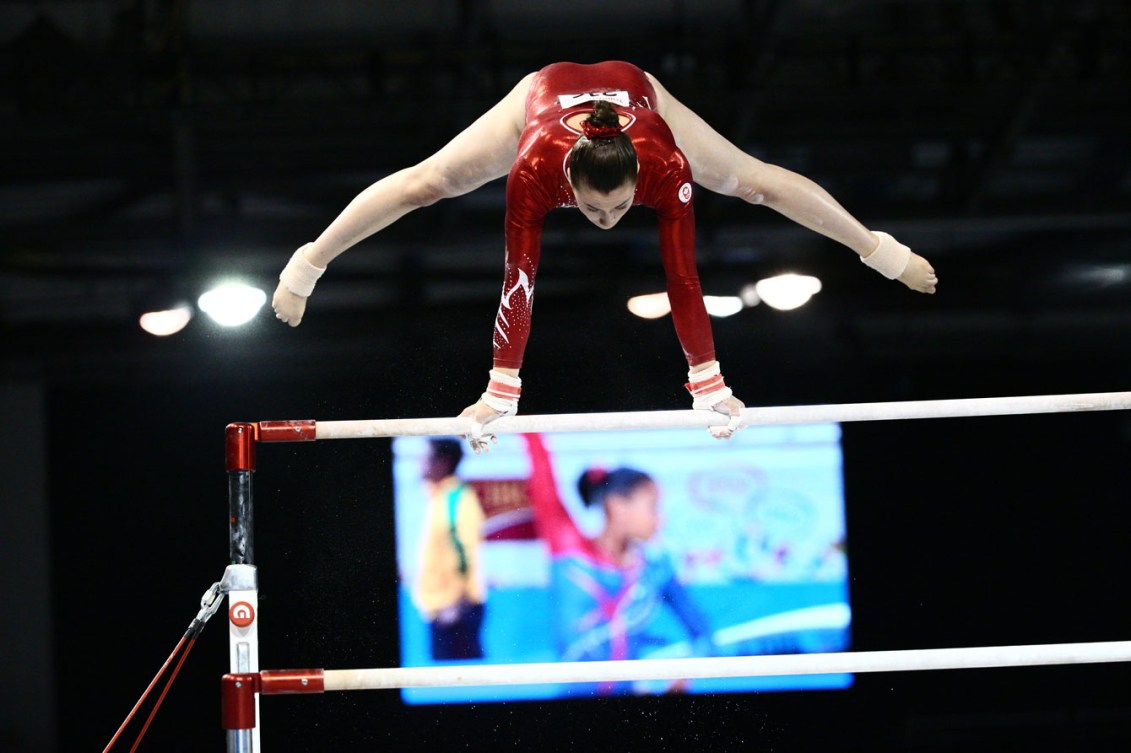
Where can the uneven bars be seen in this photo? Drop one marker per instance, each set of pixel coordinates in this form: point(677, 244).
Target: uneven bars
point(679, 419)
point(314, 681)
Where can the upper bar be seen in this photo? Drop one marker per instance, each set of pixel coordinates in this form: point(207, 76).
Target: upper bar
point(286, 431)
point(778, 415)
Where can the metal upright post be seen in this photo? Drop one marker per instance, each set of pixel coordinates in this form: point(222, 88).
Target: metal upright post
point(242, 587)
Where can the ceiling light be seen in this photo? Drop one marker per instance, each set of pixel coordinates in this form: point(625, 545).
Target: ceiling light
point(232, 304)
point(723, 305)
point(650, 306)
point(1100, 275)
point(166, 322)
point(749, 295)
point(788, 291)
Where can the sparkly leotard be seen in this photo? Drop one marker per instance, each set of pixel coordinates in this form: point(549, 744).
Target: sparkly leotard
point(537, 184)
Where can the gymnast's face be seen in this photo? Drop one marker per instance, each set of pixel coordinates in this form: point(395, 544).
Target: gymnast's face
point(636, 514)
point(604, 209)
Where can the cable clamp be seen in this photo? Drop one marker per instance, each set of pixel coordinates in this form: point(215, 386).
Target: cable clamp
point(209, 605)
point(236, 578)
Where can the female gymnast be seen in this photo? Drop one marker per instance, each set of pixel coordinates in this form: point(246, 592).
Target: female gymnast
point(609, 591)
point(601, 137)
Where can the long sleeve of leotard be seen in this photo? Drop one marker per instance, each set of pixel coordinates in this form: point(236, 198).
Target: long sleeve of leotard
point(552, 520)
point(689, 313)
point(523, 231)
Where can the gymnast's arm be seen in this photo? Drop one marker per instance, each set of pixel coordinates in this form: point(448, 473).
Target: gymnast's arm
point(720, 166)
point(481, 153)
point(689, 313)
point(527, 205)
point(691, 615)
point(552, 520)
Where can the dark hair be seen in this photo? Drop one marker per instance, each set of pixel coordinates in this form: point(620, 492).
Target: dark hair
point(596, 483)
point(603, 164)
point(450, 450)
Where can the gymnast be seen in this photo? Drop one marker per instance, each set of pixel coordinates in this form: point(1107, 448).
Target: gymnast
point(602, 138)
point(610, 591)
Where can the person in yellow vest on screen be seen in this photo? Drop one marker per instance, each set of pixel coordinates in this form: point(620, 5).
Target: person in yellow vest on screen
point(449, 589)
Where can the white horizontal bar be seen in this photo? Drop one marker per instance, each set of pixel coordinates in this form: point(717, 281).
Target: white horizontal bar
point(730, 666)
point(780, 415)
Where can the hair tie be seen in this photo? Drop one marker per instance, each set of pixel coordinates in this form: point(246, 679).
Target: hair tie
point(594, 131)
point(596, 476)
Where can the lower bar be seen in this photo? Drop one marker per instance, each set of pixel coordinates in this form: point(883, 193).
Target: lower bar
point(282, 681)
point(730, 666)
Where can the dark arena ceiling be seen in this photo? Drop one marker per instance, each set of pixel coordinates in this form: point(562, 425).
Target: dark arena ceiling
point(153, 145)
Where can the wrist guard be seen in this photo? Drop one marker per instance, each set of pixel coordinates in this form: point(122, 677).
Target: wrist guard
point(502, 393)
point(707, 387)
point(890, 257)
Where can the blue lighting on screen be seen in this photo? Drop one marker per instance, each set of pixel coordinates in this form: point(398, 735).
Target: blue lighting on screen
point(751, 534)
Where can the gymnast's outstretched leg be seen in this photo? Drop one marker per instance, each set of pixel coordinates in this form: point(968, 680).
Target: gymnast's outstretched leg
point(720, 166)
point(481, 153)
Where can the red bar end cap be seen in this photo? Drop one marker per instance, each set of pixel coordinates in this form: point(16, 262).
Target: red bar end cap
point(278, 681)
point(287, 431)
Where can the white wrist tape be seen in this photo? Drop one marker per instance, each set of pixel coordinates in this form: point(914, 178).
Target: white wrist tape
point(707, 387)
point(502, 393)
point(890, 257)
point(300, 275)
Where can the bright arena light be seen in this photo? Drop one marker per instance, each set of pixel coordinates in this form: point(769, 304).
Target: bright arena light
point(167, 322)
point(749, 295)
point(788, 291)
point(656, 305)
point(723, 305)
point(650, 306)
point(232, 304)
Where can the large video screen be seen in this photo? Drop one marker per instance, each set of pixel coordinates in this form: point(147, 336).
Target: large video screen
point(621, 545)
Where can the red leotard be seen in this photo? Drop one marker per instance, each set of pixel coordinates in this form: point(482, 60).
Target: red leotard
point(537, 183)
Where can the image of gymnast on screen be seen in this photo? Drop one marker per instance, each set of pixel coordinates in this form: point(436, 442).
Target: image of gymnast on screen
point(625, 545)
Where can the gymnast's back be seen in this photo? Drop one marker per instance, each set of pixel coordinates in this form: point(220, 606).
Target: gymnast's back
point(559, 86)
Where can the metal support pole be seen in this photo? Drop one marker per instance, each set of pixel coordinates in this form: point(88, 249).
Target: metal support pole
point(240, 445)
point(239, 701)
point(242, 588)
point(241, 539)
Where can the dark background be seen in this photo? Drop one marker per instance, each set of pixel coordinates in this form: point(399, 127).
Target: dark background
point(151, 147)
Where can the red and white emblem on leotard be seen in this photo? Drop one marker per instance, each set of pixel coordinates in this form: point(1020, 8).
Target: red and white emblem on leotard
point(685, 193)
